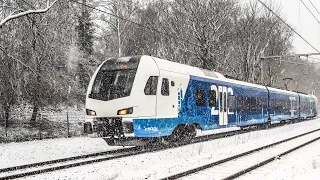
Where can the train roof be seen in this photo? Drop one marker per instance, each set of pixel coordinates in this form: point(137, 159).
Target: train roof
point(195, 71)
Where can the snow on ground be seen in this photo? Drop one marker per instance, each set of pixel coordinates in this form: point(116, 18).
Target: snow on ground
point(13, 154)
point(301, 164)
point(163, 163)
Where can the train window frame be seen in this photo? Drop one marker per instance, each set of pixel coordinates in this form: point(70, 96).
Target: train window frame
point(200, 102)
point(212, 99)
point(220, 101)
point(165, 90)
point(151, 86)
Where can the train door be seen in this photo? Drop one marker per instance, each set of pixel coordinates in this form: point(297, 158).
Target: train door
point(223, 111)
point(292, 106)
point(167, 101)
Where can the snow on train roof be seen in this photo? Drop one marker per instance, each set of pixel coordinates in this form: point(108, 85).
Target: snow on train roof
point(195, 71)
point(281, 90)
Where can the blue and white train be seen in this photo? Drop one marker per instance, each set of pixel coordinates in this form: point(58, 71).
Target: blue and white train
point(143, 97)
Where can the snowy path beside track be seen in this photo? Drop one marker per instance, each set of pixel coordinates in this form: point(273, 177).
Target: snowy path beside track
point(14, 154)
point(161, 164)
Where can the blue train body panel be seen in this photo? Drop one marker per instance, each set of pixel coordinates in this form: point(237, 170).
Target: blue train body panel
point(190, 113)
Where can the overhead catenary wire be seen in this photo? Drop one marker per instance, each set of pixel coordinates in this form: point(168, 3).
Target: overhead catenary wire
point(319, 14)
point(314, 7)
point(312, 14)
point(138, 24)
point(310, 11)
point(288, 26)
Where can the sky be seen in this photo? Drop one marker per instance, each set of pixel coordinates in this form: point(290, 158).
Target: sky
point(298, 17)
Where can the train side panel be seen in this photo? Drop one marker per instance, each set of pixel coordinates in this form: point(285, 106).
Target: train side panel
point(283, 105)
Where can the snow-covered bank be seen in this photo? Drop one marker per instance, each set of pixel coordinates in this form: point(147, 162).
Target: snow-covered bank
point(13, 154)
point(160, 164)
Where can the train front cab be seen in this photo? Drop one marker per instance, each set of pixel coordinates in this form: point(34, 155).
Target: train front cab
point(120, 91)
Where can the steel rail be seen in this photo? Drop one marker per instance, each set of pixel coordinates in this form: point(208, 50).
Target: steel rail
point(210, 165)
point(242, 172)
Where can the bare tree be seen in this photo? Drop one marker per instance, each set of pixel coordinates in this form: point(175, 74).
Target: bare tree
point(39, 45)
point(17, 12)
point(257, 35)
point(116, 27)
point(204, 23)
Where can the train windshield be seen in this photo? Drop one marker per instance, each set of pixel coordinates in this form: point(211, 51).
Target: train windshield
point(115, 79)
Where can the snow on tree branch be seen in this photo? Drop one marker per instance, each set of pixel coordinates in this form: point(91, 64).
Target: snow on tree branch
point(35, 11)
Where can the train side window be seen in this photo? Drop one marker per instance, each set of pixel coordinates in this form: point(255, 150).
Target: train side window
point(239, 103)
point(285, 104)
point(263, 103)
point(231, 103)
point(253, 104)
point(212, 98)
point(272, 104)
point(275, 104)
point(259, 104)
point(165, 87)
point(151, 86)
point(200, 101)
point(247, 103)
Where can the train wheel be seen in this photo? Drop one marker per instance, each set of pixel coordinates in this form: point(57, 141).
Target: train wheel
point(183, 133)
point(189, 132)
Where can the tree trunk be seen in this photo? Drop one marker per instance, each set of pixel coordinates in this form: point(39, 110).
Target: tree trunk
point(34, 114)
point(6, 113)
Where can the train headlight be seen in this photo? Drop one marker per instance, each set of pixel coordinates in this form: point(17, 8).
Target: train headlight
point(91, 112)
point(125, 111)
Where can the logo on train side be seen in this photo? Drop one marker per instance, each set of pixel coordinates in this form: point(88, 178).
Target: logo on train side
point(151, 129)
point(221, 90)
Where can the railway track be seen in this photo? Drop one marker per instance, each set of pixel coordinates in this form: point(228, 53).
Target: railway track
point(240, 164)
point(64, 163)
